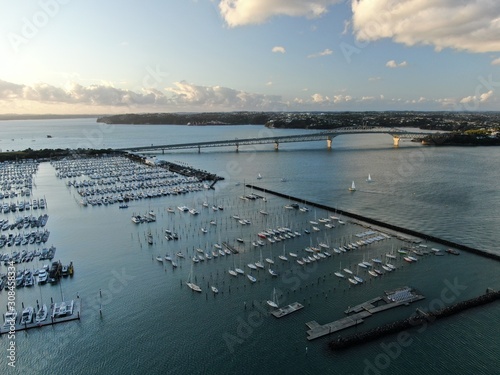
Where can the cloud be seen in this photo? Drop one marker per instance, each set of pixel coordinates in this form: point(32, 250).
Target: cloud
point(483, 98)
point(182, 95)
point(472, 25)
point(374, 79)
point(496, 61)
point(325, 52)
point(279, 49)
point(245, 12)
point(394, 64)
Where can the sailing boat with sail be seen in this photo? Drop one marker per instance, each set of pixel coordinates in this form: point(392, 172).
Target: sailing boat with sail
point(353, 187)
point(190, 283)
point(369, 179)
point(274, 301)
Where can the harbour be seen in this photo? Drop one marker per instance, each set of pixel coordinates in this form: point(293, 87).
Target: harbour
point(112, 254)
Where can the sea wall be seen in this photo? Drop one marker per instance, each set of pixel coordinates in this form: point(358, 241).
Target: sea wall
point(379, 223)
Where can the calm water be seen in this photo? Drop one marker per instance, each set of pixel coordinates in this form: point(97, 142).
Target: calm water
point(151, 323)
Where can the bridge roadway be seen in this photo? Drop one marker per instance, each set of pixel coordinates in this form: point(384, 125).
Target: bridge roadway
point(396, 134)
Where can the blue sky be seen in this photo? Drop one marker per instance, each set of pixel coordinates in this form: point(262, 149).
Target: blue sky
point(68, 56)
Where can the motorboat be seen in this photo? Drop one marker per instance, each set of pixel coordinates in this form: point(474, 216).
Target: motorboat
point(41, 314)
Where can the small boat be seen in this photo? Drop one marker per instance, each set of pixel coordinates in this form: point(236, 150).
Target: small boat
point(338, 273)
point(272, 272)
point(27, 315)
point(252, 266)
point(251, 278)
point(233, 273)
point(273, 302)
point(41, 314)
point(214, 289)
point(159, 259)
point(453, 252)
point(204, 230)
point(180, 255)
point(259, 177)
point(353, 281)
point(190, 284)
point(10, 317)
point(353, 187)
point(369, 179)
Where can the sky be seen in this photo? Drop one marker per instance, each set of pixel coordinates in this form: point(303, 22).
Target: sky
point(131, 56)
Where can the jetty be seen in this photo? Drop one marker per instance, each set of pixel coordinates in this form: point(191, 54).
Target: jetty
point(394, 298)
point(416, 320)
point(287, 310)
point(73, 312)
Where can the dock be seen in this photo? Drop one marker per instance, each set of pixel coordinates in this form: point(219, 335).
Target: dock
point(284, 311)
point(418, 319)
point(73, 314)
point(394, 298)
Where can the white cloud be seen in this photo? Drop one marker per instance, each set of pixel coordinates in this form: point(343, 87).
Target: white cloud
point(269, 83)
point(325, 52)
point(472, 25)
point(483, 98)
point(374, 79)
point(394, 64)
point(279, 49)
point(182, 95)
point(245, 12)
point(496, 61)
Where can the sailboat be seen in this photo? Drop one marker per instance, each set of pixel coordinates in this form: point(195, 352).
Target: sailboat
point(192, 285)
point(259, 177)
point(353, 187)
point(283, 257)
point(259, 264)
point(274, 301)
point(338, 273)
point(369, 179)
point(214, 289)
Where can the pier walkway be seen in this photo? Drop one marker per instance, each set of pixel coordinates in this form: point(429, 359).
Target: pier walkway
point(399, 297)
point(74, 314)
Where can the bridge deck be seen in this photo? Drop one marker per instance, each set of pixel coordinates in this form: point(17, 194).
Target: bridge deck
point(316, 136)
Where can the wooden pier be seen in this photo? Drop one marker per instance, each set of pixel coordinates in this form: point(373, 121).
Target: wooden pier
point(399, 297)
point(74, 315)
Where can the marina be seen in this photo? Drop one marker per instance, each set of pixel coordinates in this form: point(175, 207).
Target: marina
point(116, 256)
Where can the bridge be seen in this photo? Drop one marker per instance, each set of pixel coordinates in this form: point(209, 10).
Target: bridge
point(397, 135)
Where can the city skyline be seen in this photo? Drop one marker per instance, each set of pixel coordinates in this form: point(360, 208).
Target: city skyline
point(63, 56)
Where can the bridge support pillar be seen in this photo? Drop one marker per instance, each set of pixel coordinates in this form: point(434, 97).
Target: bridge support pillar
point(276, 146)
point(329, 143)
point(396, 140)
point(199, 150)
point(237, 147)
point(163, 151)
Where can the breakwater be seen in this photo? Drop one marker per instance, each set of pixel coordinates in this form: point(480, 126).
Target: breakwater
point(416, 320)
point(381, 224)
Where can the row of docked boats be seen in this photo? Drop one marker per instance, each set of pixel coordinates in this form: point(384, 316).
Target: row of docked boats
point(27, 256)
point(24, 205)
point(33, 237)
point(29, 315)
point(24, 222)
